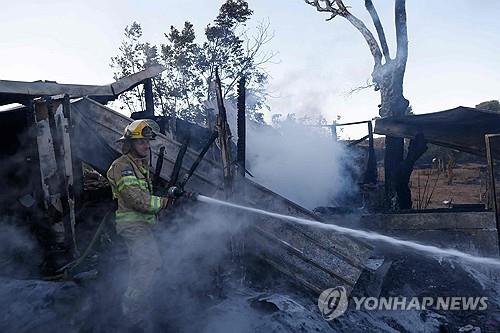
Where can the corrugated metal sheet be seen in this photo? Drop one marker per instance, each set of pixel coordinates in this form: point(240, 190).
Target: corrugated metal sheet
point(461, 128)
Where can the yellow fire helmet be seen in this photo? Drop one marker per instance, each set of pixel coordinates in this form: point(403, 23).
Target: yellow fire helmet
point(140, 129)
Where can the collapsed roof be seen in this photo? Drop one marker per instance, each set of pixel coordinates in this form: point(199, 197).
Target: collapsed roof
point(461, 128)
point(20, 92)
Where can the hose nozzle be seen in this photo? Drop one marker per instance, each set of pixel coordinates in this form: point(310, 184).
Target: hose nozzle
point(174, 192)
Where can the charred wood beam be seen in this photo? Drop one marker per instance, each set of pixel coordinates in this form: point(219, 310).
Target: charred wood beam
point(358, 141)
point(241, 128)
point(224, 137)
point(354, 123)
point(159, 166)
point(58, 146)
point(148, 95)
point(191, 171)
point(174, 177)
point(393, 155)
point(371, 168)
point(417, 147)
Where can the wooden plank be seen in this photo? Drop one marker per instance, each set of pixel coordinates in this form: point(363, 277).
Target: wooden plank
point(131, 81)
point(18, 91)
point(52, 88)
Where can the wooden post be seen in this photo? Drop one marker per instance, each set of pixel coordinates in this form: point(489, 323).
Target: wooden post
point(371, 168)
point(67, 136)
point(241, 128)
point(224, 138)
point(148, 95)
point(67, 214)
point(492, 188)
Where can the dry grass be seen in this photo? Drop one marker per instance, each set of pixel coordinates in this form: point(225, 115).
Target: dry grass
point(467, 185)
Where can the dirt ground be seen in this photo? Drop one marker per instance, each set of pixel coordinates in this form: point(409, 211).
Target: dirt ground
point(466, 184)
point(431, 188)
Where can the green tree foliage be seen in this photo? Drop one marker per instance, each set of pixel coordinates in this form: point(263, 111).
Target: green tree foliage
point(190, 66)
point(493, 105)
point(181, 86)
point(130, 60)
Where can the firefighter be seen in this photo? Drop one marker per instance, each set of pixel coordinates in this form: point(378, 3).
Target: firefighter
point(137, 211)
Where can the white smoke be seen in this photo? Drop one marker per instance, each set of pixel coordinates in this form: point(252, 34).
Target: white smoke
point(303, 163)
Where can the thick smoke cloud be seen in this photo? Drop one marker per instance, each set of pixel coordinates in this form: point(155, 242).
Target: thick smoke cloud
point(300, 162)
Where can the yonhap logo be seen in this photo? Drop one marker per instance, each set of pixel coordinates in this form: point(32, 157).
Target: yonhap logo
point(333, 302)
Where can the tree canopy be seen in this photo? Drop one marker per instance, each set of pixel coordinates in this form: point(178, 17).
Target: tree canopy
point(186, 85)
point(493, 105)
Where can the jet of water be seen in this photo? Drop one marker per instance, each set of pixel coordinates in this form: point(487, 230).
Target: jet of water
point(362, 234)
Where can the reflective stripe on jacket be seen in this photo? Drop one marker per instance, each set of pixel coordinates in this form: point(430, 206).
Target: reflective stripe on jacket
point(131, 186)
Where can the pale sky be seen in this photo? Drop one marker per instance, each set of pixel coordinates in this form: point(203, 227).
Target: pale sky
point(454, 48)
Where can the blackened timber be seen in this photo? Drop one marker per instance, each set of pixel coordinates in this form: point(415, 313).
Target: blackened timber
point(353, 143)
point(224, 138)
point(62, 183)
point(241, 128)
point(159, 166)
point(354, 123)
point(178, 164)
point(371, 168)
point(191, 171)
point(148, 95)
point(465, 128)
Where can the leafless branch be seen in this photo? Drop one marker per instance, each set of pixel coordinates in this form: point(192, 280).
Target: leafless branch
point(254, 55)
point(378, 26)
point(337, 7)
point(367, 85)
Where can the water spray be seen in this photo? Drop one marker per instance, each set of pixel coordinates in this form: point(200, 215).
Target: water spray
point(373, 236)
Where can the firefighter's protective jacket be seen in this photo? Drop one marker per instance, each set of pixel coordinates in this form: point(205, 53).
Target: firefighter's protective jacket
point(132, 187)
